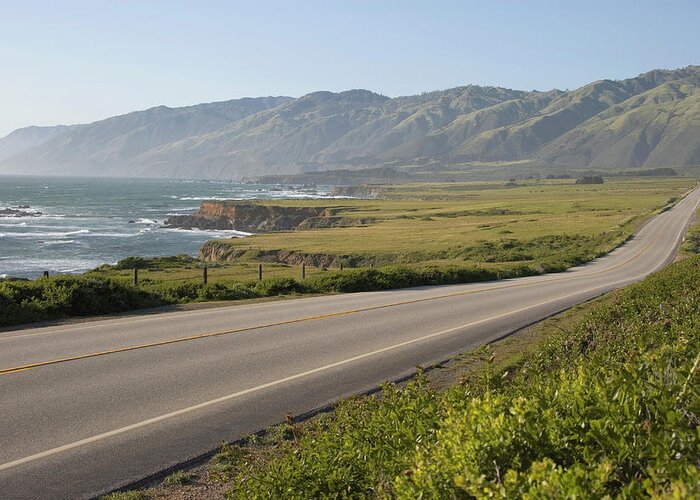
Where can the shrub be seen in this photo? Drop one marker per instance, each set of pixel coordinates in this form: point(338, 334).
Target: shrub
point(179, 477)
point(225, 291)
point(65, 296)
point(278, 286)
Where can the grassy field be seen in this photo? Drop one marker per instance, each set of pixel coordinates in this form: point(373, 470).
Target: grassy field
point(478, 223)
point(185, 268)
point(600, 401)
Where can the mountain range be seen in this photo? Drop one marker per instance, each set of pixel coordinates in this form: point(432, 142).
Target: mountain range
point(648, 121)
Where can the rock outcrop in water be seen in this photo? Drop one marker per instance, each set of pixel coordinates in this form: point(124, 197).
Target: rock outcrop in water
point(222, 251)
point(258, 218)
point(19, 212)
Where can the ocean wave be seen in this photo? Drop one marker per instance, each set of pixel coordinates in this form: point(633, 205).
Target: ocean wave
point(214, 198)
point(75, 269)
point(213, 232)
point(59, 242)
point(48, 234)
point(145, 221)
point(21, 224)
point(115, 235)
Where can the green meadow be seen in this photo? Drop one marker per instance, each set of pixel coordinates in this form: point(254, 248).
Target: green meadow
point(546, 224)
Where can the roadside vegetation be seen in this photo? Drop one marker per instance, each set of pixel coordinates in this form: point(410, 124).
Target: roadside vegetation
point(600, 401)
point(449, 233)
point(691, 245)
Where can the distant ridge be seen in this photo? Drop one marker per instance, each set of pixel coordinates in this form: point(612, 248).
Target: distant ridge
point(647, 121)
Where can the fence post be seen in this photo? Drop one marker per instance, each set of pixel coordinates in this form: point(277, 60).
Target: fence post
point(204, 275)
point(303, 270)
point(46, 274)
point(259, 272)
point(341, 266)
point(136, 276)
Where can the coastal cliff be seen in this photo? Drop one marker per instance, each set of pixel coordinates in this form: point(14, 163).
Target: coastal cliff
point(221, 250)
point(363, 191)
point(259, 218)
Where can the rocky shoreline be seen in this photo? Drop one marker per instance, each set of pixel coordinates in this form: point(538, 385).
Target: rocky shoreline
point(259, 218)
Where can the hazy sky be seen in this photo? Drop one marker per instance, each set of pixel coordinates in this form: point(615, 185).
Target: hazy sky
point(74, 62)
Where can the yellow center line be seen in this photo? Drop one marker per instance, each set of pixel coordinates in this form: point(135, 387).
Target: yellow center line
point(17, 369)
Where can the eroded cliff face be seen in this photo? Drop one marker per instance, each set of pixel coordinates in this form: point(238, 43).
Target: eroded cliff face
point(248, 217)
point(258, 218)
point(363, 191)
point(221, 250)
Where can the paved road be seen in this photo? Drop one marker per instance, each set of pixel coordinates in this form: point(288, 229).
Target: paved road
point(86, 408)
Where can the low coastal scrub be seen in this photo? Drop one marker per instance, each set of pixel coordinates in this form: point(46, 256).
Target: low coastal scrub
point(66, 296)
point(609, 407)
point(92, 294)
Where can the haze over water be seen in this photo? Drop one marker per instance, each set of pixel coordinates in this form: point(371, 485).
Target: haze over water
point(86, 222)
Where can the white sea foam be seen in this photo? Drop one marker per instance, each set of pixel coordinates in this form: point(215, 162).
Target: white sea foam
point(51, 234)
point(59, 242)
point(212, 233)
point(145, 221)
point(214, 198)
point(115, 235)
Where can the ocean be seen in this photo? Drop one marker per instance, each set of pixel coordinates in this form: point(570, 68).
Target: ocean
point(77, 224)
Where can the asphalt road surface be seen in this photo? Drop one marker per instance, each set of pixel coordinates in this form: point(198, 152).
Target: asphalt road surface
point(89, 407)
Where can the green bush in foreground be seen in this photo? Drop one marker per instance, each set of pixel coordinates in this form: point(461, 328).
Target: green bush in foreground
point(66, 296)
point(610, 408)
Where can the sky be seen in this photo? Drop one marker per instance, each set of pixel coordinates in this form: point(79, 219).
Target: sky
point(79, 61)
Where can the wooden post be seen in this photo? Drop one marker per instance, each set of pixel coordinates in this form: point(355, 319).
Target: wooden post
point(259, 272)
point(303, 270)
point(46, 274)
point(204, 275)
point(136, 276)
point(341, 266)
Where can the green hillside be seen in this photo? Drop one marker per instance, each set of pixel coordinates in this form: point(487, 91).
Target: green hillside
point(648, 121)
